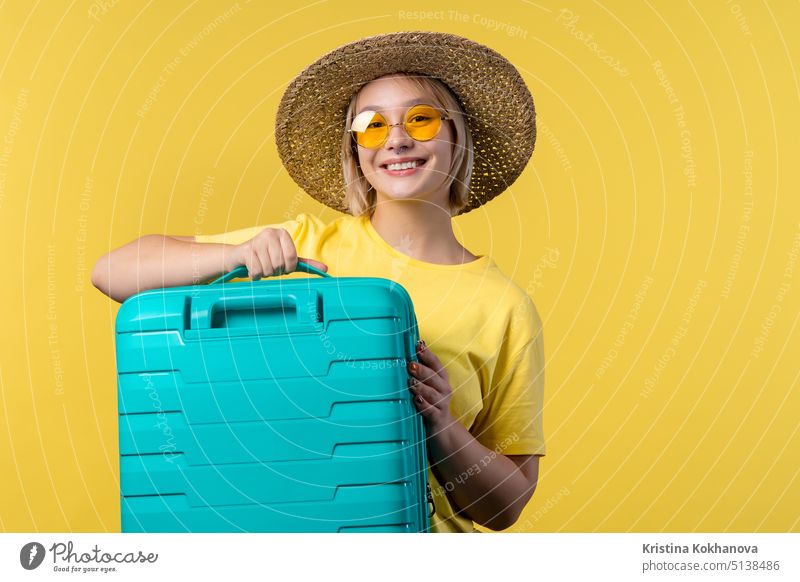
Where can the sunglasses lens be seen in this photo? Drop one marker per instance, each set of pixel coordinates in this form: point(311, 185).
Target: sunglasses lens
point(423, 122)
point(370, 129)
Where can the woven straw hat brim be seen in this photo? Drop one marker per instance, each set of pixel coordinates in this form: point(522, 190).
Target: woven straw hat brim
point(499, 108)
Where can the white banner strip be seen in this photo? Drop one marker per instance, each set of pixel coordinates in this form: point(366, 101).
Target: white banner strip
point(401, 557)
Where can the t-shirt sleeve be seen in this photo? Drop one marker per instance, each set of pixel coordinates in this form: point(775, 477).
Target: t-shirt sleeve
point(294, 227)
point(510, 421)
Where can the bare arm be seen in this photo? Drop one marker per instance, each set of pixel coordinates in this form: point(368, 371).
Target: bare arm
point(482, 484)
point(154, 261)
point(488, 487)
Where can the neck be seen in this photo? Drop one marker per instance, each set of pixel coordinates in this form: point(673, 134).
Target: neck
point(420, 229)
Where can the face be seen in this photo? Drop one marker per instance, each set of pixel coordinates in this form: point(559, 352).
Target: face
point(429, 180)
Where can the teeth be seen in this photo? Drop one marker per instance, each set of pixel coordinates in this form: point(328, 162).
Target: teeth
point(404, 165)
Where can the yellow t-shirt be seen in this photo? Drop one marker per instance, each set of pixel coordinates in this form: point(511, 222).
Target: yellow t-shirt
point(482, 326)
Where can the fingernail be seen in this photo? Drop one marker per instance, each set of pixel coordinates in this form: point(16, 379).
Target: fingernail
point(418, 399)
point(413, 366)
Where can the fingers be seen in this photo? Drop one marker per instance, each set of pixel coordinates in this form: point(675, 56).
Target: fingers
point(313, 263)
point(259, 264)
point(255, 256)
point(431, 366)
point(424, 374)
point(426, 408)
point(270, 252)
point(428, 383)
point(430, 389)
point(428, 358)
point(425, 394)
point(276, 255)
point(289, 252)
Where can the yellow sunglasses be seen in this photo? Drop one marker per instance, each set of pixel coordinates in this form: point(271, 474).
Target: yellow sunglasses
point(422, 123)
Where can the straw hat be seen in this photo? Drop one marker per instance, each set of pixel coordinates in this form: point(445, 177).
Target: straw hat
point(498, 104)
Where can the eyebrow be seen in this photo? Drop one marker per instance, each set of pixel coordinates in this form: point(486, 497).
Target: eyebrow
point(405, 104)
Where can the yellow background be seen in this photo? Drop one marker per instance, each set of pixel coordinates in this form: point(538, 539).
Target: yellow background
point(657, 229)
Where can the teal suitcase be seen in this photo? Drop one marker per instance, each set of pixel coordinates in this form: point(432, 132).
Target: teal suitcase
point(278, 405)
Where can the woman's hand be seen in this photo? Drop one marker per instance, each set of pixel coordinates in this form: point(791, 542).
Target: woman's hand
point(430, 388)
point(270, 252)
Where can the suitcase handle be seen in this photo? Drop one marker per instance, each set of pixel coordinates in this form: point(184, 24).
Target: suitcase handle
point(248, 313)
point(241, 271)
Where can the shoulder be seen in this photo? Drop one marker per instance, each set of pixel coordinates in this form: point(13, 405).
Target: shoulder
point(304, 226)
point(314, 223)
point(317, 232)
point(521, 316)
point(510, 293)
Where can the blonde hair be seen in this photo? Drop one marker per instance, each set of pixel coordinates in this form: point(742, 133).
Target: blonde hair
point(360, 196)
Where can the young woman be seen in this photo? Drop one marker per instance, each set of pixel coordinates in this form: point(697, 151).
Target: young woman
point(403, 132)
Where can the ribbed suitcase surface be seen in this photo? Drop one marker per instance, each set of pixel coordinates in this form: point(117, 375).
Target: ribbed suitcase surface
point(272, 406)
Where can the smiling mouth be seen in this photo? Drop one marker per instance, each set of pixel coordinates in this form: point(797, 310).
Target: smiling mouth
point(397, 167)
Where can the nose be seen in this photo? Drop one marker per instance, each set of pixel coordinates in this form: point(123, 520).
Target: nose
point(398, 137)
